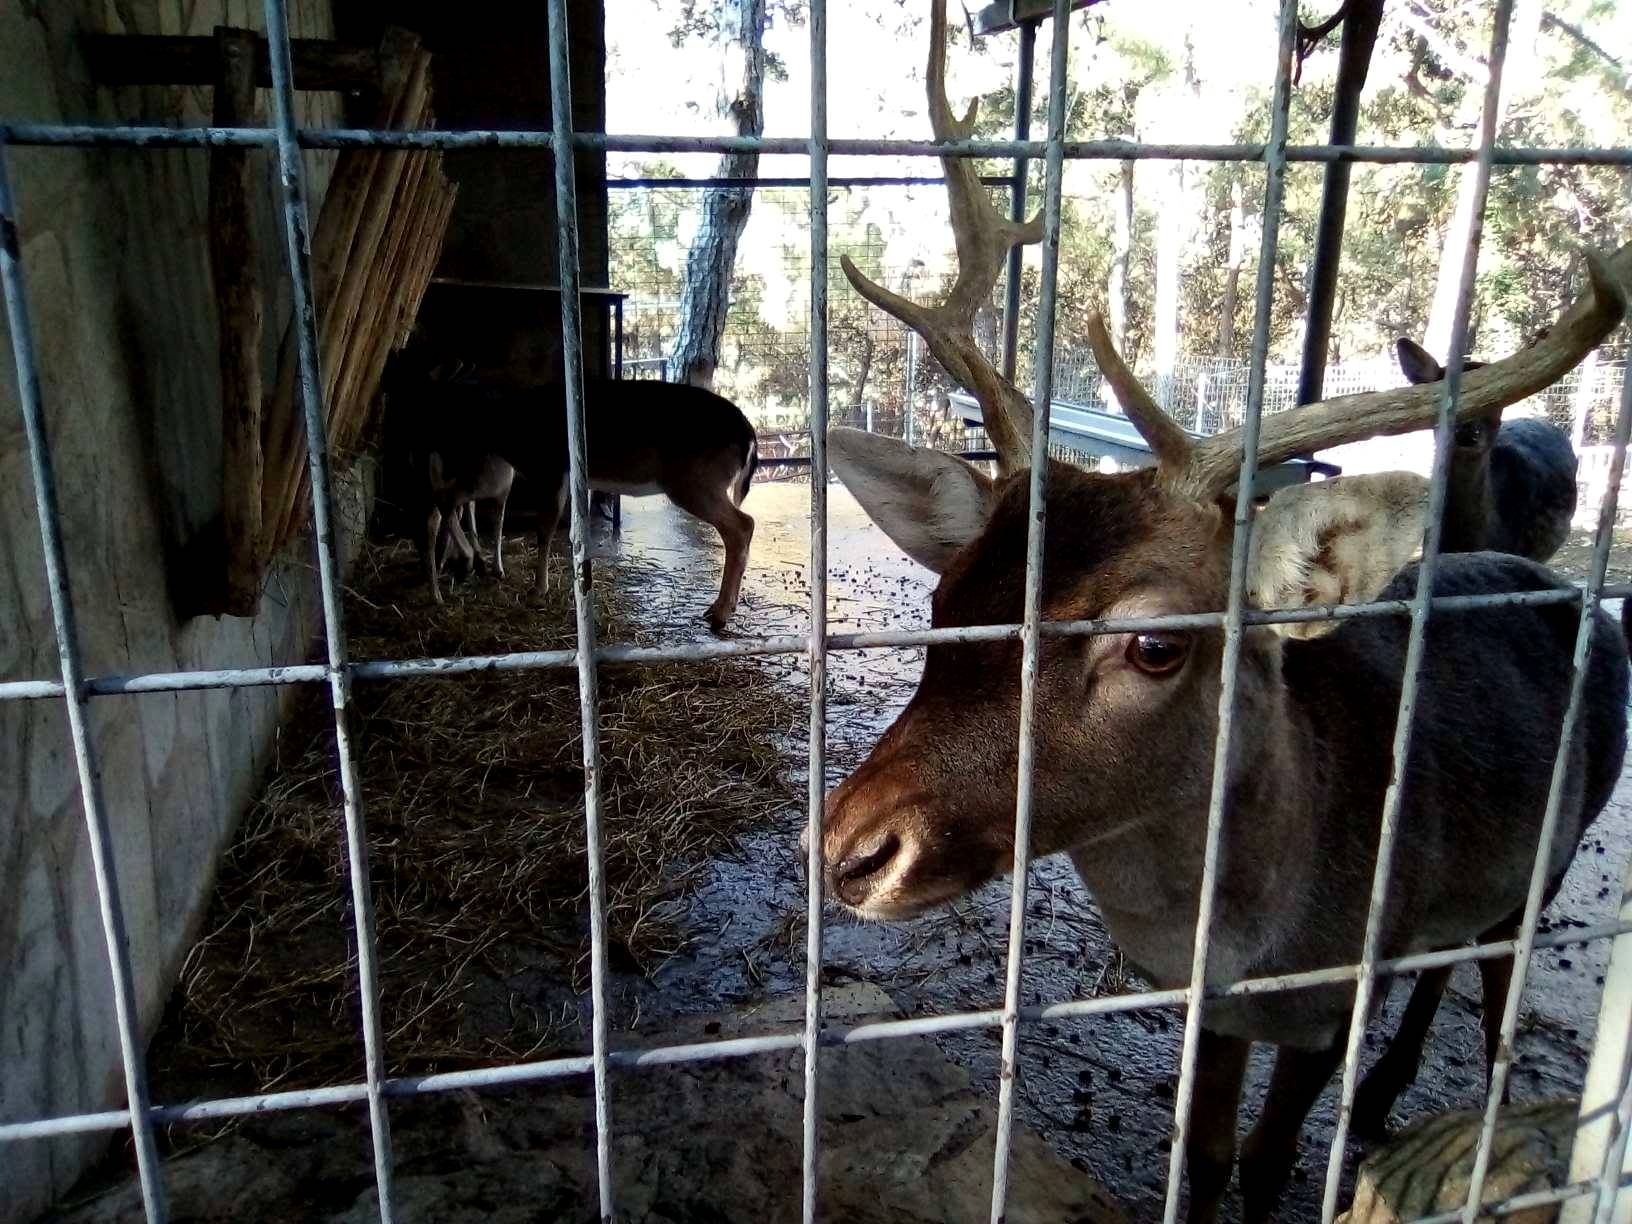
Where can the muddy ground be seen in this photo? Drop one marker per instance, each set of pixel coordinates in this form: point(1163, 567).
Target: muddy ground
point(1099, 1091)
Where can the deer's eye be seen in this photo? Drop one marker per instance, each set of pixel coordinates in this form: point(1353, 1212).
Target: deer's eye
point(1157, 653)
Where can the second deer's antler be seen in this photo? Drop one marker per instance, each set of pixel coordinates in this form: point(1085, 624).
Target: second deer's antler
point(983, 237)
point(1203, 468)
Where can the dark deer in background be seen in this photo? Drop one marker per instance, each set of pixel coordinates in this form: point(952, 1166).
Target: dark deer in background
point(1125, 722)
point(644, 438)
point(1509, 488)
point(457, 476)
point(1512, 483)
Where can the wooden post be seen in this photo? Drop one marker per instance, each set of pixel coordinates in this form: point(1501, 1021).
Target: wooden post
point(336, 227)
point(234, 267)
point(353, 231)
point(165, 59)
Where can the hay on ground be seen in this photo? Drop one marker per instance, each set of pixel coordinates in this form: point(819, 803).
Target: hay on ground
point(473, 792)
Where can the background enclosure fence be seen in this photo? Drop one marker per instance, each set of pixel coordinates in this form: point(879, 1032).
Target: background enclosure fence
point(1238, 394)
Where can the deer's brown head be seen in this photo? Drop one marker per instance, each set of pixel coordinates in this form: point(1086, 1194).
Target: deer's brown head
point(930, 814)
point(1125, 722)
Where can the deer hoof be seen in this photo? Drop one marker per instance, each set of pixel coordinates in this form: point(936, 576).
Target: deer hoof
point(716, 618)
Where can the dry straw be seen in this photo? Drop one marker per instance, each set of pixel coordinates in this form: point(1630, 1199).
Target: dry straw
point(476, 837)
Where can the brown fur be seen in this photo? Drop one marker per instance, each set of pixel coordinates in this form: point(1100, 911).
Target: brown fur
point(1123, 775)
point(643, 438)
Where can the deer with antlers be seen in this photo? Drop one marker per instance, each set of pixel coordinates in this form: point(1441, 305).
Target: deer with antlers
point(1125, 721)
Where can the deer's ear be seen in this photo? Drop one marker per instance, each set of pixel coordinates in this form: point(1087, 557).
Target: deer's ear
point(1417, 363)
point(1337, 541)
point(930, 503)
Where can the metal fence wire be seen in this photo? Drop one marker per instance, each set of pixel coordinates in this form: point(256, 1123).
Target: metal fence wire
point(339, 671)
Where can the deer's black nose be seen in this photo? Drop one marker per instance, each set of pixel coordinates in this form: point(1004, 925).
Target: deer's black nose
point(853, 877)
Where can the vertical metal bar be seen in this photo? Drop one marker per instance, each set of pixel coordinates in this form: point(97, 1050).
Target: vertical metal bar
point(1361, 21)
point(1264, 300)
point(617, 373)
point(1420, 607)
point(1031, 634)
point(1614, 1161)
point(818, 600)
point(64, 624)
point(1610, 1068)
point(298, 248)
point(583, 594)
point(1602, 1210)
point(1017, 195)
point(1524, 944)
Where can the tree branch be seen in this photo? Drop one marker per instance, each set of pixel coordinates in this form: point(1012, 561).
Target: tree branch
point(1310, 37)
point(1469, 66)
point(1614, 69)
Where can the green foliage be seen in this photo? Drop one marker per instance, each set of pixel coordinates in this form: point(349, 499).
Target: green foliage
point(1128, 79)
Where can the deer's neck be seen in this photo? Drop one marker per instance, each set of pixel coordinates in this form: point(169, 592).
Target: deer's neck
point(1470, 506)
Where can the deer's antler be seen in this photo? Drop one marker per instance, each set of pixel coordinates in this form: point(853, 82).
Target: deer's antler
point(1205, 468)
point(983, 237)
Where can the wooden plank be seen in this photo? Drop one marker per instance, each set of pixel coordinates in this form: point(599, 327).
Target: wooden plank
point(343, 251)
point(234, 267)
point(162, 59)
point(332, 239)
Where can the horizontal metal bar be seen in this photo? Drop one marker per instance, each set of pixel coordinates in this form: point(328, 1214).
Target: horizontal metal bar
point(543, 660)
point(30, 690)
point(154, 136)
point(854, 180)
point(770, 1043)
point(804, 460)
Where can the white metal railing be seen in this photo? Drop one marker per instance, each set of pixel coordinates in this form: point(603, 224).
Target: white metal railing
point(338, 671)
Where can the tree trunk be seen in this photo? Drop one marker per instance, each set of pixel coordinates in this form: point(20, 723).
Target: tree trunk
point(1232, 270)
point(1517, 80)
point(706, 295)
point(864, 371)
point(1174, 232)
point(1170, 229)
point(1116, 290)
point(1581, 402)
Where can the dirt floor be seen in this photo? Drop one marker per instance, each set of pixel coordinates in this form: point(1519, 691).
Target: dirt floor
point(730, 931)
point(1575, 558)
point(1100, 1091)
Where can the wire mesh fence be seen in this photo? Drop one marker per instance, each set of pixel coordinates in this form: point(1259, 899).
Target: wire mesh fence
point(868, 368)
point(885, 381)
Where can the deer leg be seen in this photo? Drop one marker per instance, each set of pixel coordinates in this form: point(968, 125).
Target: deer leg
point(453, 537)
point(1221, 1062)
point(548, 521)
point(713, 505)
point(1395, 1071)
point(431, 549)
point(1495, 978)
point(1271, 1149)
point(498, 532)
point(478, 561)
